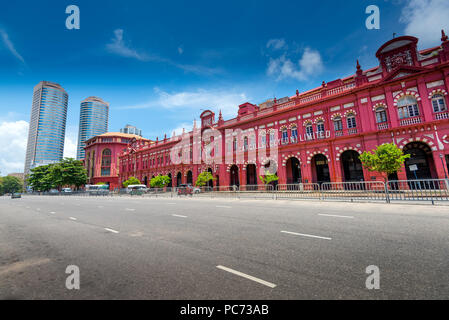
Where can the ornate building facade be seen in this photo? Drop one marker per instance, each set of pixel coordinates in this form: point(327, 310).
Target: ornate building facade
point(318, 135)
point(102, 152)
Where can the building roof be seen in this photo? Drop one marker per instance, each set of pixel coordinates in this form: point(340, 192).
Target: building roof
point(120, 135)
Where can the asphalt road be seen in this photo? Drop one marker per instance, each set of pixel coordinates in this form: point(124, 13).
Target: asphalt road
point(135, 248)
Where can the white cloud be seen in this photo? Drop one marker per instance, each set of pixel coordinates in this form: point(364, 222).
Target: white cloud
point(228, 102)
point(119, 47)
point(70, 145)
point(424, 19)
point(277, 44)
point(283, 68)
point(13, 141)
point(10, 46)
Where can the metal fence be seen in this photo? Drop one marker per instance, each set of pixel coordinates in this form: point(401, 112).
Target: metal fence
point(419, 190)
point(298, 191)
point(376, 191)
point(354, 191)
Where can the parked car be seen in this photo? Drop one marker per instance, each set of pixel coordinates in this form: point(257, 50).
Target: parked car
point(185, 189)
point(16, 195)
point(54, 191)
point(67, 190)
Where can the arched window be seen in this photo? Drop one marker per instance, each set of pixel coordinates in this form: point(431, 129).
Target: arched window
point(338, 124)
point(106, 157)
point(408, 107)
point(438, 103)
point(309, 128)
point(245, 143)
point(381, 115)
point(351, 121)
point(272, 138)
point(284, 135)
point(320, 127)
point(262, 139)
point(294, 133)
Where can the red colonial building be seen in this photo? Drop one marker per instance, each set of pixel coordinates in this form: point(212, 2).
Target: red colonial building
point(101, 156)
point(317, 136)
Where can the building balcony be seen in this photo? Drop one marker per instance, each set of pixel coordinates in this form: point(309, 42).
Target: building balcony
point(352, 131)
point(382, 126)
point(441, 115)
point(409, 121)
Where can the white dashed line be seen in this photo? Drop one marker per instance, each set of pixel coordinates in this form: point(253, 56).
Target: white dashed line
point(171, 203)
point(111, 230)
point(179, 216)
point(72, 218)
point(306, 235)
point(52, 212)
point(243, 275)
point(228, 207)
point(127, 209)
point(335, 216)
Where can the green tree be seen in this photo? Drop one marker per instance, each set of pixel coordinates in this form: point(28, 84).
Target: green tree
point(131, 181)
point(385, 159)
point(39, 178)
point(68, 172)
point(1, 186)
point(269, 178)
point(11, 184)
point(160, 181)
point(204, 178)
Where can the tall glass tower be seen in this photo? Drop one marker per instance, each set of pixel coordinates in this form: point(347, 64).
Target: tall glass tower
point(47, 125)
point(94, 115)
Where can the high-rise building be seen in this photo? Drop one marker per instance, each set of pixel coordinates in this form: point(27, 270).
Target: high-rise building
point(129, 129)
point(47, 125)
point(94, 115)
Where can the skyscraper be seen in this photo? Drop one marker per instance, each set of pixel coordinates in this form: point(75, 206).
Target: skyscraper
point(131, 130)
point(94, 115)
point(47, 125)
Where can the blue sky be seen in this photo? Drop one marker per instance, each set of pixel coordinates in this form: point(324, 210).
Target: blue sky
point(158, 63)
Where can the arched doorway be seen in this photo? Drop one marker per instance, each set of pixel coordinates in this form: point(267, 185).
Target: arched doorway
point(234, 175)
point(293, 168)
point(352, 166)
point(420, 165)
point(210, 183)
point(170, 184)
point(178, 179)
point(251, 178)
point(320, 167)
point(189, 177)
point(271, 168)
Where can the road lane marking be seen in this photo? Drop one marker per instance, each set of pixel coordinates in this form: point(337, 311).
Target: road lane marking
point(335, 216)
point(228, 207)
point(179, 216)
point(100, 207)
point(171, 203)
point(306, 235)
point(127, 209)
point(72, 218)
point(52, 212)
point(111, 230)
point(246, 276)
